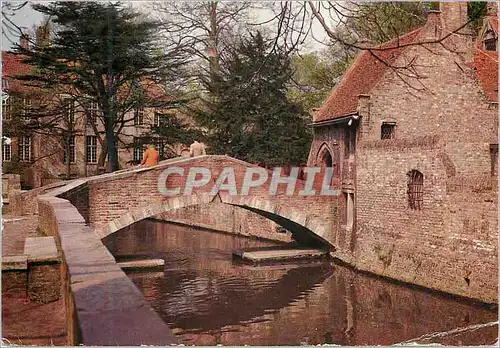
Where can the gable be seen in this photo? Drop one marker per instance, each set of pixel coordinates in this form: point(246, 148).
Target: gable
point(361, 78)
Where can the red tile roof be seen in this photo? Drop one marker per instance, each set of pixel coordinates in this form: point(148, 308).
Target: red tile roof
point(361, 77)
point(12, 65)
point(485, 63)
point(486, 71)
point(367, 70)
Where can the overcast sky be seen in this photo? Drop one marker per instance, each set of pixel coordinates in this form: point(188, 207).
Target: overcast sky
point(27, 17)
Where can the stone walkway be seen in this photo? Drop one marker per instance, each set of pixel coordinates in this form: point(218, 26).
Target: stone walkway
point(25, 322)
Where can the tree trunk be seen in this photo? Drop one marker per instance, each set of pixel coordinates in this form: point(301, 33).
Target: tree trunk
point(102, 156)
point(112, 150)
point(68, 157)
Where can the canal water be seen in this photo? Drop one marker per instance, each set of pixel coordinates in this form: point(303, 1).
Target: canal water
point(206, 298)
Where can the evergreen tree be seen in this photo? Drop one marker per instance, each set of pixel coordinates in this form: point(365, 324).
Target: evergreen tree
point(101, 52)
point(250, 116)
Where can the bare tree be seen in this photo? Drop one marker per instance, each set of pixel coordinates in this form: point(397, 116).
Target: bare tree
point(202, 30)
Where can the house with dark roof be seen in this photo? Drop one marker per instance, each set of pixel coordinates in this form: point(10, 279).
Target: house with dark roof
point(40, 155)
point(411, 135)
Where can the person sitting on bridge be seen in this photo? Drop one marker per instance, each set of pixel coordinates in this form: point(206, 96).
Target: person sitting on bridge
point(197, 149)
point(150, 157)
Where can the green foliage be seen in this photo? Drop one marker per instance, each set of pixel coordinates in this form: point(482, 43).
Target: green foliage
point(316, 74)
point(250, 116)
point(476, 10)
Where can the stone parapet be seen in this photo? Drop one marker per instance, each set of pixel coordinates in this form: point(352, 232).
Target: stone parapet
point(103, 306)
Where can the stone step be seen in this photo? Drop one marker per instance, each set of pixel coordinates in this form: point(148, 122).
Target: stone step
point(280, 254)
point(41, 249)
point(141, 264)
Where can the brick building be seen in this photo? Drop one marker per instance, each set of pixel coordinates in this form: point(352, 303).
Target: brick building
point(415, 155)
point(42, 158)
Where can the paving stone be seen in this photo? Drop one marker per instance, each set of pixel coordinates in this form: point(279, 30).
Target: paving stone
point(41, 249)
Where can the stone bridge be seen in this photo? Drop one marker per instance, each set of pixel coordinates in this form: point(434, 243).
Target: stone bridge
point(113, 201)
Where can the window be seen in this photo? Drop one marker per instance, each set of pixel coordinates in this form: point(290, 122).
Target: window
point(6, 109)
point(387, 130)
point(156, 121)
point(25, 149)
point(6, 152)
point(490, 40)
point(92, 112)
point(26, 110)
point(415, 189)
point(91, 149)
point(68, 108)
point(72, 151)
point(490, 44)
point(159, 144)
point(138, 149)
point(138, 116)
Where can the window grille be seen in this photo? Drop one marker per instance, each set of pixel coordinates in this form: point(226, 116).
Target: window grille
point(68, 106)
point(72, 151)
point(26, 110)
point(138, 116)
point(91, 149)
point(6, 152)
point(138, 144)
point(415, 189)
point(25, 149)
point(92, 112)
point(387, 130)
point(6, 109)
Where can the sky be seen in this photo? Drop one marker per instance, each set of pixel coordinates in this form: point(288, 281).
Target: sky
point(27, 17)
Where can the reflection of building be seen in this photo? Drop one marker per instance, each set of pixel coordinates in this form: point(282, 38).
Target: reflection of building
point(42, 155)
point(415, 154)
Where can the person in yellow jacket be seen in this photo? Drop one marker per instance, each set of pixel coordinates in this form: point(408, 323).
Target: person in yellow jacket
point(150, 157)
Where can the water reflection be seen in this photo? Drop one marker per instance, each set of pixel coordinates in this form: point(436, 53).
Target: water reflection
point(208, 299)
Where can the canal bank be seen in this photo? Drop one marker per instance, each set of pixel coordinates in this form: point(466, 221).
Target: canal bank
point(207, 298)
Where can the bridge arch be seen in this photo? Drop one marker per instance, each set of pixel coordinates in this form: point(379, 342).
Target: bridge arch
point(306, 229)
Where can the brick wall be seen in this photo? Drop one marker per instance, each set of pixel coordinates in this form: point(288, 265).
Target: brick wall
point(444, 131)
point(114, 196)
point(226, 218)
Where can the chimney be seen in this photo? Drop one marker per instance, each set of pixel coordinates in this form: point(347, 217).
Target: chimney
point(24, 41)
point(453, 15)
point(43, 35)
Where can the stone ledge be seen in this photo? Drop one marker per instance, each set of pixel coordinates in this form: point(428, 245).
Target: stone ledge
point(40, 249)
point(15, 263)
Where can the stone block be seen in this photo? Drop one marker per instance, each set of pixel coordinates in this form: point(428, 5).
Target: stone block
point(15, 263)
point(44, 282)
point(40, 249)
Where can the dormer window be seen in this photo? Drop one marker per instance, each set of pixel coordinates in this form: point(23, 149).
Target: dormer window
point(490, 41)
point(490, 44)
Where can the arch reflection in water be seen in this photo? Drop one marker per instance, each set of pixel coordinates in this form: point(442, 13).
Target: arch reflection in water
point(208, 299)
